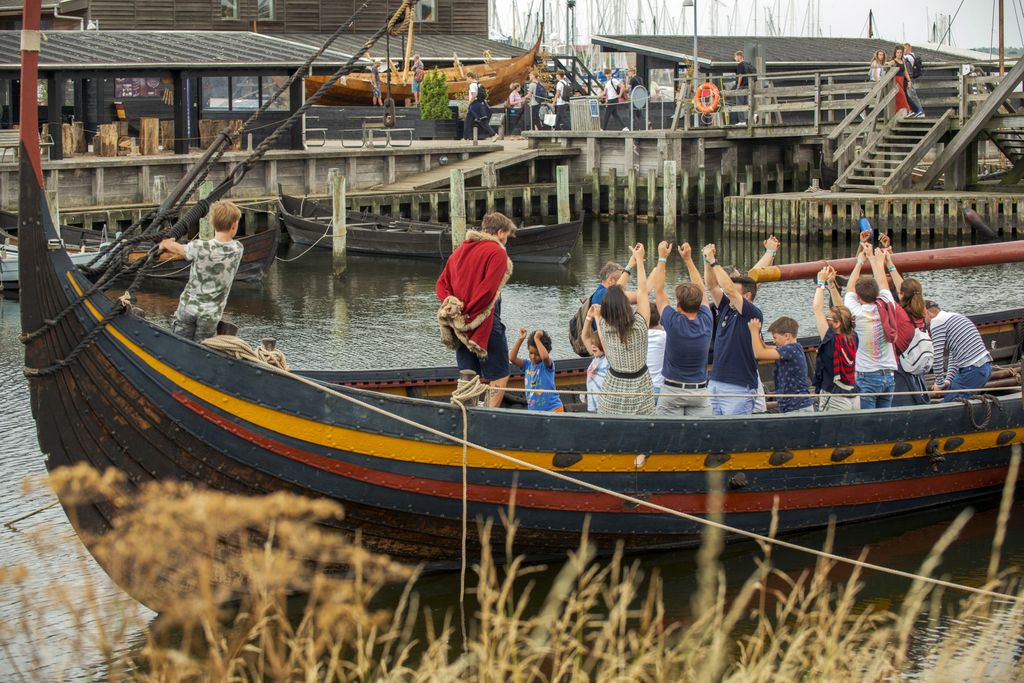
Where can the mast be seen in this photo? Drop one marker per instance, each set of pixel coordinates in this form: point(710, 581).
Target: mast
point(1002, 45)
point(871, 24)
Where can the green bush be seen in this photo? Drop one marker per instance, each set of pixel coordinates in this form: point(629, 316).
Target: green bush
point(434, 96)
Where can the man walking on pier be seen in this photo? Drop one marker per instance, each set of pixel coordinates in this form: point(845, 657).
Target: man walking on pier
point(743, 72)
point(470, 292)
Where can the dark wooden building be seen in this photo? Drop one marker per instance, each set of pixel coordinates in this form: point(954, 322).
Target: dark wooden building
point(266, 16)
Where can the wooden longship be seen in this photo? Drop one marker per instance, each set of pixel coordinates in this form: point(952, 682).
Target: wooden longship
point(157, 407)
point(496, 77)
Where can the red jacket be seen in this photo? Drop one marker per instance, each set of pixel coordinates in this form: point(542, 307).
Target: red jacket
point(468, 289)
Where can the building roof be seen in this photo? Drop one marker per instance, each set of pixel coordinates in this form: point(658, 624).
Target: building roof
point(197, 50)
point(782, 50)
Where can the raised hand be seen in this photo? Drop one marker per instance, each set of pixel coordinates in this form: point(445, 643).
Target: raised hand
point(823, 274)
point(830, 274)
point(708, 252)
point(664, 249)
point(755, 326)
point(772, 243)
point(522, 333)
point(595, 311)
point(884, 241)
point(686, 251)
point(639, 252)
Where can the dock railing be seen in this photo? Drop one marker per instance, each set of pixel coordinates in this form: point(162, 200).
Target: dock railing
point(862, 120)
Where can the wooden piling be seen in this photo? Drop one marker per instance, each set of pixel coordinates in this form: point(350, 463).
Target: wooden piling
point(339, 221)
point(489, 177)
point(205, 229)
point(149, 135)
point(652, 193)
point(719, 203)
point(668, 197)
point(631, 179)
point(562, 185)
point(595, 192)
point(457, 205)
point(612, 200)
point(701, 191)
point(686, 192)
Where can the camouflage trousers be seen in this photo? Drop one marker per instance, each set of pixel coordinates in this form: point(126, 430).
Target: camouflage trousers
point(191, 326)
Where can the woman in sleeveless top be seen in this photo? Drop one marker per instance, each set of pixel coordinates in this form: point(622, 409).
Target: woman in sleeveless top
point(902, 80)
point(623, 333)
point(877, 66)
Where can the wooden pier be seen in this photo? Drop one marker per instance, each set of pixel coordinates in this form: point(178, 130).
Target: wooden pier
point(834, 214)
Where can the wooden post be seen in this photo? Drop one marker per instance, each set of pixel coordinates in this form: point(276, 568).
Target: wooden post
point(67, 139)
point(702, 186)
point(457, 205)
point(719, 199)
point(205, 229)
point(668, 195)
point(686, 192)
point(106, 136)
point(489, 176)
point(149, 135)
point(159, 188)
point(612, 182)
point(595, 192)
point(167, 135)
point(562, 189)
point(652, 193)
point(339, 221)
point(630, 207)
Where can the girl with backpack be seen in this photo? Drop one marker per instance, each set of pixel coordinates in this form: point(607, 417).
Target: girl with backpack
point(835, 376)
point(912, 345)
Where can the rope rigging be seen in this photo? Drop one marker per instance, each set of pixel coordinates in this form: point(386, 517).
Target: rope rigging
point(107, 263)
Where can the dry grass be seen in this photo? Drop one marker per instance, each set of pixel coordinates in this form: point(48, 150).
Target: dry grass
point(224, 569)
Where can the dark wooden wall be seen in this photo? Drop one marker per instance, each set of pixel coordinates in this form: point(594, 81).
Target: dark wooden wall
point(292, 16)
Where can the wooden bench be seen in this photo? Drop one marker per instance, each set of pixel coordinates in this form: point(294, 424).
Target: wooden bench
point(321, 132)
point(371, 126)
point(11, 139)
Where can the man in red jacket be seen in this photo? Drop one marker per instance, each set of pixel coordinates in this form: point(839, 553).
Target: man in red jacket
point(470, 292)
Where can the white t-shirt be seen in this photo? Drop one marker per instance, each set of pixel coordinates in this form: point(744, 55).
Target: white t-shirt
point(611, 89)
point(473, 89)
point(560, 92)
point(873, 351)
point(656, 354)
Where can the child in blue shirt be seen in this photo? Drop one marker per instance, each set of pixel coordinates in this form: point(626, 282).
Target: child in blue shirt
point(790, 363)
point(538, 371)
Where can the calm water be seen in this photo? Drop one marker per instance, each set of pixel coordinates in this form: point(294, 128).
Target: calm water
point(382, 314)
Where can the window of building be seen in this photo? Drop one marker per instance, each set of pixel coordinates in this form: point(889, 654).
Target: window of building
point(215, 93)
point(228, 9)
point(426, 10)
point(245, 93)
point(265, 10)
point(270, 86)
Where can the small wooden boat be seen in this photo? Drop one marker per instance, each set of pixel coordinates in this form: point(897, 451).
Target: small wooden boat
point(308, 223)
point(9, 276)
point(496, 76)
point(257, 258)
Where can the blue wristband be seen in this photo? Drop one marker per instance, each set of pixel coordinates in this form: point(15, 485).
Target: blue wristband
point(891, 267)
point(662, 259)
point(771, 251)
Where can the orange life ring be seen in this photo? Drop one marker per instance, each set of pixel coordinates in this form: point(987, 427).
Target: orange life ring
point(707, 98)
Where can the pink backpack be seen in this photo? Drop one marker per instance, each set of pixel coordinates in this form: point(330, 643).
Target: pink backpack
point(887, 316)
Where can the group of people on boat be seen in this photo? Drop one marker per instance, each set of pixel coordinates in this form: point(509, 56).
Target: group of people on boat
point(909, 68)
point(701, 355)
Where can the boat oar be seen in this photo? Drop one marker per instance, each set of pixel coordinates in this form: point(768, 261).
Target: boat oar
point(907, 262)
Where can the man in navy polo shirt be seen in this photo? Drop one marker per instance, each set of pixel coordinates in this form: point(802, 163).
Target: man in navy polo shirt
point(688, 336)
point(613, 274)
point(733, 383)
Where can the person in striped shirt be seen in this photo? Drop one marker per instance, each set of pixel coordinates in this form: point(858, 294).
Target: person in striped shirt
point(969, 364)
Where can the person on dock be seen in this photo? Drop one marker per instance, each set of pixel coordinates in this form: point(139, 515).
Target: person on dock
point(744, 70)
point(911, 335)
point(214, 264)
point(478, 113)
point(474, 88)
point(469, 289)
point(514, 109)
point(835, 365)
point(613, 95)
point(561, 101)
point(876, 358)
point(378, 101)
point(688, 329)
point(968, 364)
point(913, 71)
point(902, 78)
point(790, 363)
point(628, 389)
point(535, 94)
point(877, 69)
point(734, 378)
point(538, 371)
point(418, 74)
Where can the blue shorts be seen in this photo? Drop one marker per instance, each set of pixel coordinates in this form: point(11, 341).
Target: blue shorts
point(415, 85)
point(496, 364)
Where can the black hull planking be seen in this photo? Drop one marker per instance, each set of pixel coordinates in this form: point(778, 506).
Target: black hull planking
point(307, 224)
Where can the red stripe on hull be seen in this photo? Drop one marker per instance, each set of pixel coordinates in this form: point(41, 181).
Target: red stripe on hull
point(693, 503)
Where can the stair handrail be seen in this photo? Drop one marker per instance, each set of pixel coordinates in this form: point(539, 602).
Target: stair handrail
point(872, 96)
point(927, 141)
point(868, 124)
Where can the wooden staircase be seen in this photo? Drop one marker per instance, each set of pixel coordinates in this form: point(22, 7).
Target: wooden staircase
point(1009, 142)
point(890, 154)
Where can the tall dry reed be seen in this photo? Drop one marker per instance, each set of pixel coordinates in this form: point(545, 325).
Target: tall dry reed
point(225, 571)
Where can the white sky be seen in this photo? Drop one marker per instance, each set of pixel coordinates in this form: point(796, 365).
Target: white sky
point(895, 19)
